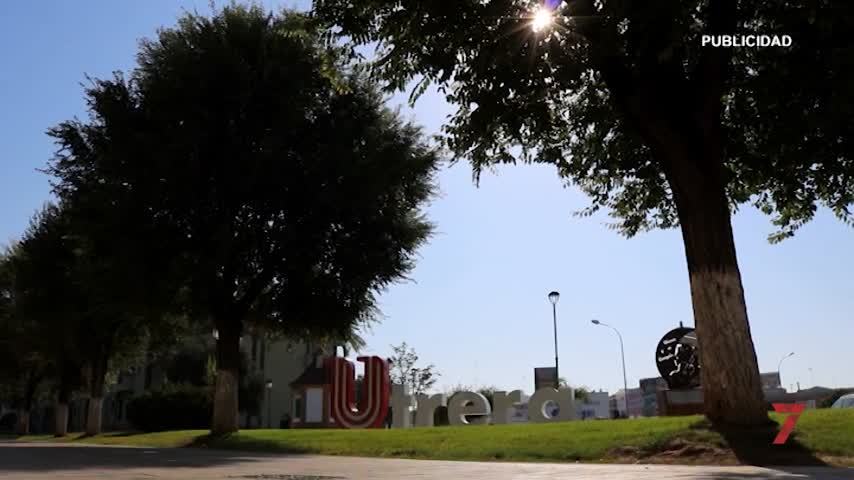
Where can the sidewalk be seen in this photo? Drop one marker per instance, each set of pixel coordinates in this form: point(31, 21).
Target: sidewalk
point(49, 461)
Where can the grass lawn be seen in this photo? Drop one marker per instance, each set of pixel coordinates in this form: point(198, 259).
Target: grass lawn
point(821, 436)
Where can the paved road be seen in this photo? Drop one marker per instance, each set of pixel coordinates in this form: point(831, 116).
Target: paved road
point(49, 461)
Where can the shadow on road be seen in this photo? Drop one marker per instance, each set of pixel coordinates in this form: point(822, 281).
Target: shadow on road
point(51, 457)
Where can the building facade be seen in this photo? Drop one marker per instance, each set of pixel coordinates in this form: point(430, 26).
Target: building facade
point(636, 403)
point(594, 407)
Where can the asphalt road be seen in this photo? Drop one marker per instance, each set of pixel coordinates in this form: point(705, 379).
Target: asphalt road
point(49, 461)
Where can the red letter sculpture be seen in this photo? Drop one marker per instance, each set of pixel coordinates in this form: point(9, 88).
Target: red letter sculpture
point(342, 394)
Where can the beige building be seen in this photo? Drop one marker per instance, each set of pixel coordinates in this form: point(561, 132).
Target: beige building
point(280, 363)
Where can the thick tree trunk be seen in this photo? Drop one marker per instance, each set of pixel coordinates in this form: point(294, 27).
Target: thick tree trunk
point(96, 397)
point(23, 425)
point(225, 408)
point(61, 419)
point(33, 380)
point(93, 417)
point(62, 398)
point(732, 389)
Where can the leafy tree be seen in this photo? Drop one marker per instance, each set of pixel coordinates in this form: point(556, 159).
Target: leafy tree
point(403, 370)
point(580, 393)
point(23, 367)
point(49, 298)
point(623, 99)
point(79, 327)
point(251, 178)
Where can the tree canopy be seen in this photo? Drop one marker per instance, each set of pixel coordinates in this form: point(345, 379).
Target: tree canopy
point(576, 94)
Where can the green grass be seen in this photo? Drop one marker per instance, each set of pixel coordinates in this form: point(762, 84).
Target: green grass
point(819, 433)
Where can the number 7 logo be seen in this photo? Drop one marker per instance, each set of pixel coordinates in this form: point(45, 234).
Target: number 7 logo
point(794, 410)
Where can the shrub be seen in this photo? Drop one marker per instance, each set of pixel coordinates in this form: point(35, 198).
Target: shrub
point(830, 400)
point(181, 407)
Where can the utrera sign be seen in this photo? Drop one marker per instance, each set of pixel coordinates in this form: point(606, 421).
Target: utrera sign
point(464, 408)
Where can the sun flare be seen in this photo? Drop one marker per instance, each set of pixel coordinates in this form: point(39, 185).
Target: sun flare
point(542, 19)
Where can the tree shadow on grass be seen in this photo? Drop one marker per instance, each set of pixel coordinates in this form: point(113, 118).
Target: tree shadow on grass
point(755, 446)
point(120, 434)
point(241, 443)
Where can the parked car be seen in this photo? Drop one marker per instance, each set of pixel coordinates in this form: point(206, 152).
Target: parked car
point(845, 401)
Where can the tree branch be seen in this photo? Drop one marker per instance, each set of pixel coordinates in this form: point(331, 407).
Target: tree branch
point(710, 76)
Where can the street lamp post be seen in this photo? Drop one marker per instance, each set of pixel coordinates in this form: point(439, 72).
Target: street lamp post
point(269, 386)
point(623, 357)
point(553, 298)
point(780, 365)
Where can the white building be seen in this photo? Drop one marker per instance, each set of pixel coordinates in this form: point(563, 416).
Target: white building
point(636, 403)
point(595, 406)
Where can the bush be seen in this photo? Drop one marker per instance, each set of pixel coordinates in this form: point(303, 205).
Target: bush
point(839, 392)
point(177, 408)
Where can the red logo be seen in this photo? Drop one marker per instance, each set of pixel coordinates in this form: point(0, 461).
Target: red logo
point(794, 410)
point(342, 394)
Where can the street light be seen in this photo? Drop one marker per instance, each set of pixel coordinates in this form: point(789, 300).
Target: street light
point(623, 356)
point(779, 365)
point(553, 298)
point(269, 386)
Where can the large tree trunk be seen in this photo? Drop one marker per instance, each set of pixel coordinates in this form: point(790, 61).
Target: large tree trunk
point(94, 417)
point(30, 387)
point(23, 425)
point(732, 389)
point(61, 419)
point(96, 397)
point(61, 414)
point(225, 408)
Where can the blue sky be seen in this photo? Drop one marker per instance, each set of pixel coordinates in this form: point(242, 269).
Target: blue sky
point(477, 305)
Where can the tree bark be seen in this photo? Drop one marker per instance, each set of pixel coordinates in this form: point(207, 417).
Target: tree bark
point(225, 408)
point(61, 415)
point(33, 380)
point(93, 417)
point(23, 425)
point(61, 419)
point(732, 390)
point(96, 397)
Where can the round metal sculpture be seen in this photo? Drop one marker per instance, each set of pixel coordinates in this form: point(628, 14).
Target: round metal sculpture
point(678, 358)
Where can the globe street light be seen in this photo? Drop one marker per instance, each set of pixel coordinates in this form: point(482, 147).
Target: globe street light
point(779, 365)
point(623, 356)
point(553, 298)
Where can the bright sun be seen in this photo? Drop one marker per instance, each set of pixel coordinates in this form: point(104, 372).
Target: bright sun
point(542, 19)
